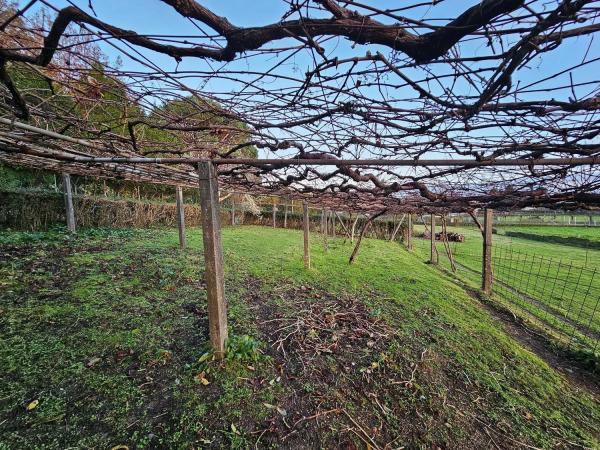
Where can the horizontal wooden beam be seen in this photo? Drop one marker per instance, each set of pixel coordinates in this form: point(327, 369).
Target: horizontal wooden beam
point(518, 162)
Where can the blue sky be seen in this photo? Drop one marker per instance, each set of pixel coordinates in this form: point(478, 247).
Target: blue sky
point(152, 16)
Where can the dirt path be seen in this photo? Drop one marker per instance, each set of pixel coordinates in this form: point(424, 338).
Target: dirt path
point(574, 371)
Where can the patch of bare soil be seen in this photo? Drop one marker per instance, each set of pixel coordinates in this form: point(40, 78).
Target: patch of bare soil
point(573, 370)
point(352, 382)
point(47, 263)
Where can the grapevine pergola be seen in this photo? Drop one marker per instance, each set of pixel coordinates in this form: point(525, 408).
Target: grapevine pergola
point(423, 106)
point(421, 110)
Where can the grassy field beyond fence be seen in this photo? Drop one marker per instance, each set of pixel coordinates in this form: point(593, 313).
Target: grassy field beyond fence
point(539, 274)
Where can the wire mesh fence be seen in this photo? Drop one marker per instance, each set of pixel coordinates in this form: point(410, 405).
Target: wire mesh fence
point(533, 218)
point(558, 295)
point(564, 297)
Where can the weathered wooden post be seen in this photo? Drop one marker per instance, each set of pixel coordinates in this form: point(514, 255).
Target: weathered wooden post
point(433, 259)
point(332, 216)
point(68, 194)
point(274, 214)
point(180, 216)
point(322, 221)
point(325, 229)
point(213, 257)
point(354, 228)
point(285, 214)
point(486, 274)
point(409, 233)
point(232, 211)
point(397, 227)
point(306, 236)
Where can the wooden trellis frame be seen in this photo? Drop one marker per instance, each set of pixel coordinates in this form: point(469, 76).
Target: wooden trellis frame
point(362, 184)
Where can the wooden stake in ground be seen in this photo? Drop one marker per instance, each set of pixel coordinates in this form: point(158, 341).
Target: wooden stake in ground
point(397, 228)
point(354, 228)
point(213, 258)
point(362, 233)
point(433, 259)
point(409, 233)
point(344, 227)
point(486, 274)
point(306, 236)
point(232, 211)
point(332, 217)
point(274, 214)
point(180, 216)
point(447, 244)
point(68, 193)
point(324, 231)
point(474, 217)
point(285, 214)
point(322, 221)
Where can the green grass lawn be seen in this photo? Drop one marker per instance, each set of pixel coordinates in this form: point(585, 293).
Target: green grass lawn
point(104, 343)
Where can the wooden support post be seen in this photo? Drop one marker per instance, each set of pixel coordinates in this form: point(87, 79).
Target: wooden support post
point(322, 221)
point(362, 233)
point(180, 216)
point(232, 211)
point(410, 233)
point(213, 257)
point(344, 227)
point(332, 216)
point(486, 274)
point(434, 255)
point(395, 232)
point(354, 228)
point(325, 230)
point(285, 214)
point(68, 193)
point(274, 214)
point(306, 236)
